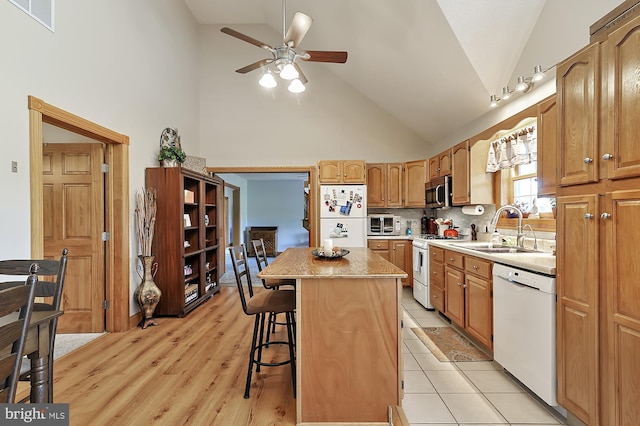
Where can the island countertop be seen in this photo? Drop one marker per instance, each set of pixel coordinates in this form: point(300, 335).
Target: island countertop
point(361, 262)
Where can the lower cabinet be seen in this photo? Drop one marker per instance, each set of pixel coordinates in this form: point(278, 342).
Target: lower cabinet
point(436, 278)
point(398, 252)
point(468, 295)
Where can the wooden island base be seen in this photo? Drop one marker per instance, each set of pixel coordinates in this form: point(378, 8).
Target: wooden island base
point(349, 341)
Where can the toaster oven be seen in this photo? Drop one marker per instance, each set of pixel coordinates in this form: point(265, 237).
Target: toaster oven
point(381, 224)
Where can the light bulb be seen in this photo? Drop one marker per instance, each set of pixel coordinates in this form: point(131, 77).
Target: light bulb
point(268, 81)
point(506, 93)
point(289, 72)
point(538, 73)
point(296, 86)
point(494, 101)
point(522, 84)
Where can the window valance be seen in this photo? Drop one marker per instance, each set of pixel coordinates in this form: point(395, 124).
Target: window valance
point(519, 147)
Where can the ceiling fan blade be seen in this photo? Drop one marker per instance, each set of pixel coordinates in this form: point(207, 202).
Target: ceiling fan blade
point(301, 75)
point(243, 37)
point(254, 66)
point(298, 29)
point(324, 56)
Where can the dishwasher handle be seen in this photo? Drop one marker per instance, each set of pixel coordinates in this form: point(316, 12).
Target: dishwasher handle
point(516, 282)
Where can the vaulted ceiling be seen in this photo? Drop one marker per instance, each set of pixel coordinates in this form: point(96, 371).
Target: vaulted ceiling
point(432, 64)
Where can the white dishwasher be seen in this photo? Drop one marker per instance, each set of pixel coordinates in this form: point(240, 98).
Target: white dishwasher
point(524, 328)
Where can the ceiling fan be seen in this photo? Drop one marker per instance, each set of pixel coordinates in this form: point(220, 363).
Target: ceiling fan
point(284, 56)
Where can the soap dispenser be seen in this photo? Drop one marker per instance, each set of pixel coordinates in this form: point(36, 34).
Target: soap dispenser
point(408, 227)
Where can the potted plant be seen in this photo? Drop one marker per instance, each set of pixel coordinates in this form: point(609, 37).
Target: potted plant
point(171, 156)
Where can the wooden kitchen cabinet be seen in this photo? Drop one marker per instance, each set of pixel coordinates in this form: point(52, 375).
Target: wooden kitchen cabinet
point(341, 171)
point(385, 183)
point(415, 178)
point(381, 247)
point(398, 252)
point(471, 182)
point(547, 133)
point(454, 294)
point(436, 278)
point(440, 165)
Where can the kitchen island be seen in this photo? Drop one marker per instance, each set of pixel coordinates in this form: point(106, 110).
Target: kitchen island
point(348, 336)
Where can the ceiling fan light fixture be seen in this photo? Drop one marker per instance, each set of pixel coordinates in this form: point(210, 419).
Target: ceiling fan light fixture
point(268, 81)
point(289, 72)
point(296, 86)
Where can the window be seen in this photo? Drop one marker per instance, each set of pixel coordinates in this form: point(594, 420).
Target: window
point(524, 187)
point(40, 10)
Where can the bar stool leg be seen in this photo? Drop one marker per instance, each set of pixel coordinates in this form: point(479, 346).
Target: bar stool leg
point(263, 318)
point(290, 325)
point(251, 356)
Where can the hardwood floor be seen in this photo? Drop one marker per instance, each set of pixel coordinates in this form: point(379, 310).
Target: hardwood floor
point(188, 370)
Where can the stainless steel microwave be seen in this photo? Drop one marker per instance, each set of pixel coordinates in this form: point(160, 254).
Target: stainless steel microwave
point(383, 224)
point(438, 193)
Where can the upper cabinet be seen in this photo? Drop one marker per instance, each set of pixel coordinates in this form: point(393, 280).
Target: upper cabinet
point(415, 177)
point(547, 147)
point(440, 165)
point(385, 183)
point(471, 183)
point(578, 97)
point(341, 171)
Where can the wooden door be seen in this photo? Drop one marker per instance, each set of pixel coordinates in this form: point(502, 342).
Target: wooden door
point(445, 163)
point(623, 154)
point(460, 174)
point(394, 184)
point(621, 368)
point(434, 167)
point(454, 295)
point(479, 309)
point(578, 96)
point(73, 200)
point(376, 184)
point(353, 171)
point(577, 343)
point(547, 147)
point(330, 171)
point(415, 177)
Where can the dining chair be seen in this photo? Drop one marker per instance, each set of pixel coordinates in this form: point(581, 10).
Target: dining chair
point(259, 304)
point(16, 305)
point(51, 291)
point(260, 254)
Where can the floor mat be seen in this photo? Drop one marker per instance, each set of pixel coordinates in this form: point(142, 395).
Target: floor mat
point(447, 345)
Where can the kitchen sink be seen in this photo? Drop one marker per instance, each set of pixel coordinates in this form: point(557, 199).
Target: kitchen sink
point(486, 248)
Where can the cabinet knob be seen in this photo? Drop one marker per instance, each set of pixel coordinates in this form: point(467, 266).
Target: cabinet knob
point(607, 157)
point(605, 216)
point(459, 284)
point(475, 266)
point(451, 259)
point(435, 296)
point(588, 160)
point(588, 216)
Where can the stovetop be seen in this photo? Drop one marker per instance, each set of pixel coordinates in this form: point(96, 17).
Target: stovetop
point(421, 240)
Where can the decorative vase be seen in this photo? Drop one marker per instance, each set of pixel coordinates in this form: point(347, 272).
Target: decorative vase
point(148, 294)
point(168, 162)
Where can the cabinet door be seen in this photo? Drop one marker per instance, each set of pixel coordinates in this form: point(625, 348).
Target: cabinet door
point(401, 251)
point(415, 177)
point(376, 184)
point(479, 309)
point(434, 167)
point(578, 95)
point(353, 171)
point(621, 397)
point(381, 247)
point(460, 174)
point(395, 184)
point(445, 163)
point(454, 295)
point(624, 102)
point(330, 171)
point(577, 307)
point(547, 147)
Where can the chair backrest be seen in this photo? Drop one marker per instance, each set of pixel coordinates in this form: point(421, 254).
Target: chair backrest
point(240, 262)
point(16, 305)
point(46, 268)
point(261, 257)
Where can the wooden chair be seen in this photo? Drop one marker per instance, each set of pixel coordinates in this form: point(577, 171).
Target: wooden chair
point(13, 332)
point(260, 304)
point(52, 290)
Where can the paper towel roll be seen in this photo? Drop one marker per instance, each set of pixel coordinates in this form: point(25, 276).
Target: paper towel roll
point(473, 210)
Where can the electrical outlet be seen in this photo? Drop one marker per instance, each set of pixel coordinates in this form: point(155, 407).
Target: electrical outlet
point(14, 166)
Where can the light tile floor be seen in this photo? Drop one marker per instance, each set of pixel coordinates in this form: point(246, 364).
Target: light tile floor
point(463, 393)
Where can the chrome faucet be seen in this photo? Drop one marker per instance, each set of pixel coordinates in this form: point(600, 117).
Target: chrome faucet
point(520, 235)
point(535, 238)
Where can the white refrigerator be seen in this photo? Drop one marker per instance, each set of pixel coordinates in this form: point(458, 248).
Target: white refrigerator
point(343, 215)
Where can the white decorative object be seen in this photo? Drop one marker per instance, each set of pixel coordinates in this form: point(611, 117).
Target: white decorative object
point(328, 245)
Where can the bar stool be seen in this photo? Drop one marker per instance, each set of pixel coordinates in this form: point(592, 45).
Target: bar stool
point(260, 254)
point(260, 304)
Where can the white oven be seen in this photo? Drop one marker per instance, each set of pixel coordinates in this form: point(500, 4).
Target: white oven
point(421, 272)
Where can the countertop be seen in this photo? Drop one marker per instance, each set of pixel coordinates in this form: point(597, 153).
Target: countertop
point(390, 237)
point(541, 262)
point(361, 262)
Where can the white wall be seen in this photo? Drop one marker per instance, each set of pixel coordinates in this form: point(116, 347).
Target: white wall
point(130, 66)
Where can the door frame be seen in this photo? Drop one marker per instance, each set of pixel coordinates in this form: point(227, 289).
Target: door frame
point(117, 262)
